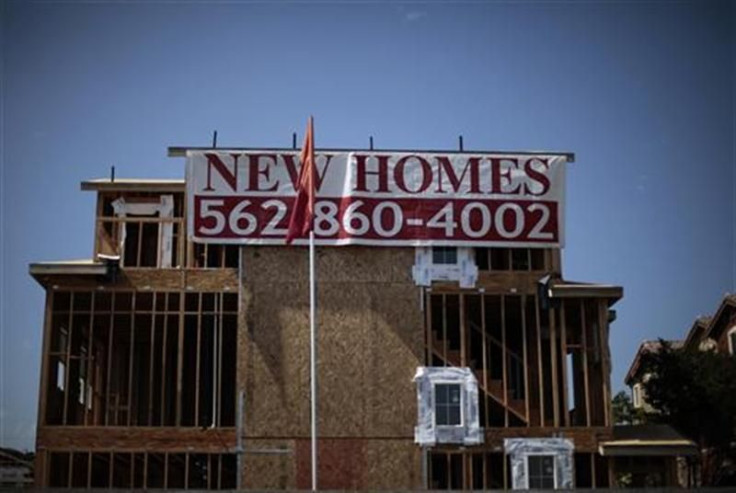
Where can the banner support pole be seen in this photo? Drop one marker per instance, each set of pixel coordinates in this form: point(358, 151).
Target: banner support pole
point(313, 358)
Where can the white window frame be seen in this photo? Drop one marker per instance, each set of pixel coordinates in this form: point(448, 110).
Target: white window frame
point(434, 402)
point(636, 395)
point(729, 338)
point(543, 454)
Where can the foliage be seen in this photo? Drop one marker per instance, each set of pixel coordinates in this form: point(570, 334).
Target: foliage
point(623, 409)
point(695, 392)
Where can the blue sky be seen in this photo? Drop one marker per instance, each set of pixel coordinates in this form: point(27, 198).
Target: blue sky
point(642, 92)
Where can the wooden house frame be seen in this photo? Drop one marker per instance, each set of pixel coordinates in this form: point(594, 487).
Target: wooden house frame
point(195, 375)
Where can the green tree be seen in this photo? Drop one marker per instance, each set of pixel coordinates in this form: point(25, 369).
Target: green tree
point(623, 409)
point(695, 392)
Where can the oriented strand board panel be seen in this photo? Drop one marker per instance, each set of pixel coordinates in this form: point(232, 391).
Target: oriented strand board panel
point(365, 464)
point(370, 341)
point(269, 464)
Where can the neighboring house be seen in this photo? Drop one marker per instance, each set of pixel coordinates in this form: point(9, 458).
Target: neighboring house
point(16, 468)
point(174, 364)
point(636, 377)
point(717, 332)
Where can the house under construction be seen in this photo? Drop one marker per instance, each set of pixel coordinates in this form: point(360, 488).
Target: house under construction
point(169, 363)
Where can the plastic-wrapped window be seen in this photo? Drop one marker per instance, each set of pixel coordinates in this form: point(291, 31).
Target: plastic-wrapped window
point(447, 406)
point(540, 463)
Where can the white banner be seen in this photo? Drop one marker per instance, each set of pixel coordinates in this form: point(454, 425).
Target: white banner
point(380, 198)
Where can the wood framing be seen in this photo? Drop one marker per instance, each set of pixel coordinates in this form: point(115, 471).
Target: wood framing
point(154, 360)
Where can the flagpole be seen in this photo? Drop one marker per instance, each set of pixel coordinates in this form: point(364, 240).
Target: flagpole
point(313, 358)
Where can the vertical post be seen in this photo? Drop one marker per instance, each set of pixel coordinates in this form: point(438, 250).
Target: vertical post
point(425, 472)
point(313, 358)
point(553, 360)
point(239, 442)
point(563, 364)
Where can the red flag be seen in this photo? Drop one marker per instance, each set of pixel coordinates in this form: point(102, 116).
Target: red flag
point(302, 212)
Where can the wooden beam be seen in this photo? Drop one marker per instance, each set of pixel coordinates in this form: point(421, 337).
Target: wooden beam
point(428, 333)
point(463, 332)
point(217, 405)
point(151, 358)
point(605, 359)
point(586, 378)
point(67, 359)
point(553, 362)
point(444, 329)
point(503, 367)
point(90, 358)
point(593, 480)
point(198, 360)
point(89, 470)
point(485, 356)
point(180, 359)
point(109, 359)
point(563, 363)
point(131, 361)
point(524, 356)
point(45, 364)
point(164, 341)
point(540, 366)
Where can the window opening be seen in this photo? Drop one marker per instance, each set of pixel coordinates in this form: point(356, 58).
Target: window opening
point(541, 471)
point(444, 255)
point(732, 340)
point(448, 406)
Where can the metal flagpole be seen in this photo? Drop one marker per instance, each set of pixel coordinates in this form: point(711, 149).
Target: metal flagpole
point(313, 358)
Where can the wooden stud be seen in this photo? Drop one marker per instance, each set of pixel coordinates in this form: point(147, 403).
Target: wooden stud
point(187, 458)
point(525, 361)
point(444, 328)
point(605, 366)
point(563, 363)
point(98, 224)
point(144, 486)
point(540, 366)
point(553, 361)
point(485, 356)
point(131, 360)
point(166, 470)
point(504, 357)
point(162, 415)
point(45, 363)
point(592, 471)
point(463, 332)
point(89, 470)
point(151, 358)
point(219, 472)
point(140, 245)
point(429, 333)
point(198, 359)
point(70, 470)
point(109, 359)
point(505, 472)
point(67, 358)
point(90, 359)
point(111, 462)
point(586, 378)
point(180, 359)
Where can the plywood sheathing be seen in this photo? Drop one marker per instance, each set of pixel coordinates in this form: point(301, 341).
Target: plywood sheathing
point(269, 465)
point(370, 340)
point(361, 464)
